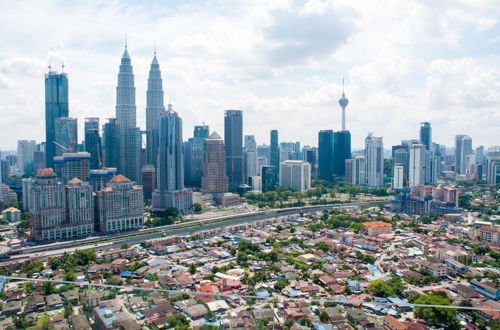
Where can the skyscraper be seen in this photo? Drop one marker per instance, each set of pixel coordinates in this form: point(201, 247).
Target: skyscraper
point(325, 155)
point(397, 179)
point(129, 135)
point(463, 148)
point(417, 165)
point(401, 155)
point(214, 177)
point(233, 138)
point(66, 136)
point(111, 144)
point(193, 156)
point(154, 108)
point(56, 106)
point(342, 151)
point(426, 135)
point(170, 190)
point(201, 131)
point(295, 175)
point(25, 154)
point(250, 141)
point(93, 142)
point(374, 152)
point(72, 165)
point(274, 151)
point(359, 170)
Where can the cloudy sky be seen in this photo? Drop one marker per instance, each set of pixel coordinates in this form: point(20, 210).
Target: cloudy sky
point(282, 62)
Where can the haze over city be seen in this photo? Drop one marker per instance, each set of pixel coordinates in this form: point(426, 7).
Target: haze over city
point(281, 62)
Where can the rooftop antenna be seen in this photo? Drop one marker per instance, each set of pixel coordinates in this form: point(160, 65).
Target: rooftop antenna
point(155, 49)
point(125, 41)
point(62, 68)
point(343, 104)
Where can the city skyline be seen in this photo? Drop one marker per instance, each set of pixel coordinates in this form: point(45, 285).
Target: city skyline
point(390, 91)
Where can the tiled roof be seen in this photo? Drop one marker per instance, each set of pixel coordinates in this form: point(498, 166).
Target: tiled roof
point(120, 178)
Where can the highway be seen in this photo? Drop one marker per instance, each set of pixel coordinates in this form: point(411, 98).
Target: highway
point(135, 237)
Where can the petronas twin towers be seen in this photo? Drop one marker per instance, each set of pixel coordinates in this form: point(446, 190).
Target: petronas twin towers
point(128, 133)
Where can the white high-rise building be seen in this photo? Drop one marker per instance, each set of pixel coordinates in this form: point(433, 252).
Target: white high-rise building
point(374, 152)
point(417, 165)
point(397, 181)
point(359, 170)
point(25, 153)
point(463, 148)
point(252, 164)
point(493, 170)
point(295, 174)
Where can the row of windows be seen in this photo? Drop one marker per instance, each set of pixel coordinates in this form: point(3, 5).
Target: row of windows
point(124, 224)
point(67, 232)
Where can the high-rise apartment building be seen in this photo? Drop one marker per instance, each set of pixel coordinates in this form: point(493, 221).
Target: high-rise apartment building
point(99, 178)
point(119, 206)
point(60, 211)
point(56, 106)
point(93, 142)
point(129, 135)
point(154, 108)
point(417, 165)
point(233, 139)
point(214, 179)
point(397, 179)
point(251, 162)
point(66, 135)
point(170, 191)
point(463, 148)
point(374, 152)
point(25, 154)
point(359, 170)
point(295, 175)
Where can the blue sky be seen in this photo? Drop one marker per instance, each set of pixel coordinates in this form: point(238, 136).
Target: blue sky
point(282, 62)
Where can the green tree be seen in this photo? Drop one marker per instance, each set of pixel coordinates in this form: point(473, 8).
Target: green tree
point(434, 315)
point(197, 207)
point(192, 269)
point(323, 317)
point(125, 246)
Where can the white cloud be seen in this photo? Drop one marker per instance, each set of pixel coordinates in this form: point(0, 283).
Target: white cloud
point(281, 62)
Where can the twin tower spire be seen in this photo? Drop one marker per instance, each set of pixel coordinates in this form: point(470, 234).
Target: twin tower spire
point(129, 134)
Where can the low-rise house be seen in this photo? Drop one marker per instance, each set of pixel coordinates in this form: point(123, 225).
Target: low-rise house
point(72, 296)
point(438, 270)
point(195, 312)
point(13, 307)
point(218, 306)
point(35, 303)
point(391, 323)
point(54, 301)
point(80, 322)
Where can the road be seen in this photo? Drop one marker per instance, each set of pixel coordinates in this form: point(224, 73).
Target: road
point(136, 237)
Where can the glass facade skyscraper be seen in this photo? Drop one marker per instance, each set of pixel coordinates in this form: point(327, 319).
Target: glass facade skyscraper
point(325, 155)
point(341, 152)
point(154, 108)
point(56, 106)
point(233, 138)
point(111, 144)
point(275, 151)
point(93, 142)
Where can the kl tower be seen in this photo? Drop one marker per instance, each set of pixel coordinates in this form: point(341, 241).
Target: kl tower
point(343, 101)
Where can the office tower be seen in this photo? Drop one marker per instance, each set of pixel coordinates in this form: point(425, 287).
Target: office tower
point(264, 151)
point(129, 135)
point(66, 135)
point(397, 180)
point(463, 148)
point(274, 151)
point(261, 161)
point(214, 179)
point(60, 211)
point(343, 102)
point(374, 152)
point(99, 178)
point(342, 151)
point(494, 151)
point(325, 155)
point(72, 165)
point(26, 189)
point(93, 142)
point(359, 170)
point(417, 165)
point(119, 206)
point(154, 108)
point(250, 142)
point(12, 159)
point(111, 144)
point(56, 106)
point(493, 169)
point(148, 173)
point(268, 178)
point(310, 155)
point(251, 162)
point(25, 154)
point(348, 170)
point(170, 190)
point(480, 155)
point(233, 138)
point(193, 156)
point(295, 175)
point(39, 157)
point(4, 170)
point(426, 135)
point(401, 155)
